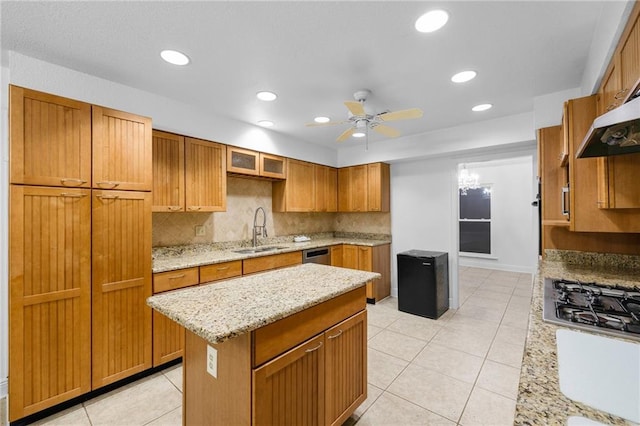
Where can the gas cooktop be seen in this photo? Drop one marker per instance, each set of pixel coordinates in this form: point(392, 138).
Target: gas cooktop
point(607, 309)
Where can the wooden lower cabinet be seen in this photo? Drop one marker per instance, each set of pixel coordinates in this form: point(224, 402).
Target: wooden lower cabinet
point(372, 259)
point(321, 380)
point(49, 297)
point(274, 261)
point(121, 260)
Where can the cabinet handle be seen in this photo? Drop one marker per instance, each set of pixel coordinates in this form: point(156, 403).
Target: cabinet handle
point(612, 106)
point(108, 183)
point(66, 194)
point(173, 208)
point(619, 94)
point(314, 349)
point(223, 268)
point(426, 264)
point(69, 180)
point(108, 197)
point(175, 277)
point(565, 208)
point(336, 335)
point(195, 207)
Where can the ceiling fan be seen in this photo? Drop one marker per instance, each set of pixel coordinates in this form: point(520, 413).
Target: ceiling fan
point(361, 120)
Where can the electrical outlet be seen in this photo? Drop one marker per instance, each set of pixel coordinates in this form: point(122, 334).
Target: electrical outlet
point(199, 231)
point(212, 361)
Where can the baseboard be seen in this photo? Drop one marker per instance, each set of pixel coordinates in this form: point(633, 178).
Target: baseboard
point(478, 263)
point(4, 388)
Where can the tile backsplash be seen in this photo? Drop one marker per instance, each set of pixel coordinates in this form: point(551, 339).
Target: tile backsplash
point(244, 196)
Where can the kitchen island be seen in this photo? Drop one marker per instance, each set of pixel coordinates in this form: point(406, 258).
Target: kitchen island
point(540, 401)
point(281, 347)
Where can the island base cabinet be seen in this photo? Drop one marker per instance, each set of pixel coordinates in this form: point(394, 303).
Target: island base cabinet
point(320, 381)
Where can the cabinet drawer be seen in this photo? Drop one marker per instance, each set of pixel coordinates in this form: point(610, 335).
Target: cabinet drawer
point(276, 338)
point(220, 271)
point(264, 263)
point(171, 280)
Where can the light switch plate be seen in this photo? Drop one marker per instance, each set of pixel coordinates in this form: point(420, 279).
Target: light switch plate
point(212, 361)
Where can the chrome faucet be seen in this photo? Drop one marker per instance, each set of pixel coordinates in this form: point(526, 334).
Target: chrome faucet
point(257, 228)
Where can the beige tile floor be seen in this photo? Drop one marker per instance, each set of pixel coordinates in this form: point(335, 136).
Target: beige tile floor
point(460, 369)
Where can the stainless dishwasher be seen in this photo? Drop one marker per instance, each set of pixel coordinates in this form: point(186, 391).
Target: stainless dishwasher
point(318, 255)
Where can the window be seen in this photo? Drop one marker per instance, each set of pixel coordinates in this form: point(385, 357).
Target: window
point(475, 220)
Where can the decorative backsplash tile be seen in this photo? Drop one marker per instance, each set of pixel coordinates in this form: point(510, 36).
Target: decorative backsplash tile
point(244, 196)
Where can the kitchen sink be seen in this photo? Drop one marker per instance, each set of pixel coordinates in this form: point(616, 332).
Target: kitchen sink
point(252, 250)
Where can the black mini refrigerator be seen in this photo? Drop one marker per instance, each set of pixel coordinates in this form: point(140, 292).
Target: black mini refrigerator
point(423, 282)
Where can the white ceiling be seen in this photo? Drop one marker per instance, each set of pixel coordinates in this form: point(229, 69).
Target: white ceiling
point(315, 54)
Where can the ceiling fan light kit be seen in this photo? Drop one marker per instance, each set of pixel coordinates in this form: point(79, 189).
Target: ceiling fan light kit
point(361, 120)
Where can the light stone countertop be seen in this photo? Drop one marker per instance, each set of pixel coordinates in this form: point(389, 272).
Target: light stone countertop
point(172, 258)
point(225, 309)
point(540, 401)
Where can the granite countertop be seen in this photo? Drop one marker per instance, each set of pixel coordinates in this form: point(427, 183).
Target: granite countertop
point(540, 401)
point(172, 258)
point(225, 309)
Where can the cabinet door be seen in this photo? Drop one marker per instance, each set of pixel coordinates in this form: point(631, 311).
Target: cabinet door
point(358, 189)
point(50, 297)
point(168, 172)
point(381, 263)
point(630, 56)
point(553, 176)
point(618, 178)
point(326, 188)
point(290, 389)
point(611, 93)
point(350, 256)
point(206, 176)
point(122, 150)
point(121, 326)
point(346, 368)
point(168, 339)
point(273, 166)
point(364, 258)
point(336, 255)
point(299, 187)
point(243, 161)
point(50, 139)
point(378, 187)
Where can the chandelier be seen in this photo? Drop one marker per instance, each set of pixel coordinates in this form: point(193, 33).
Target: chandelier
point(467, 181)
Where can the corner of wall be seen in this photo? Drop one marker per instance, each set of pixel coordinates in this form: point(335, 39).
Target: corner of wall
point(4, 227)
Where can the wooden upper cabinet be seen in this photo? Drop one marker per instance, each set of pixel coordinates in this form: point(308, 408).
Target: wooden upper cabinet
point(50, 139)
point(272, 166)
point(295, 194)
point(121, 283)
point(122, 150)
point(553, 176)
point(326, 188)
point(50, 297)
point(254, 163)
point(610, 94)
point(378, 187)
point(585, 175)
point(206, 176)
point(617, 187)
point(629, 54)
point(364, 188)
point(168, 172)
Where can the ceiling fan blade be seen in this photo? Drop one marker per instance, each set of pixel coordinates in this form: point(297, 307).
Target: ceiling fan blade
point(387, 131)
point(345, 135)
point(330, 123)
point(356, 108)
point(404, 114)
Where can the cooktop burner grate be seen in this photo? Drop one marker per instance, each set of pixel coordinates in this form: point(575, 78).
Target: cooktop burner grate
point(613, 310)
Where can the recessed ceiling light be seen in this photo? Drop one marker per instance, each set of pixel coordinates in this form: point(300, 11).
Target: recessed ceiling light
point(464, 76)
point(174, 57)
point(265, 123)
point(321, 119)
point(481, 107)
point(266, 96)
point(358, 135)
point(432, 21)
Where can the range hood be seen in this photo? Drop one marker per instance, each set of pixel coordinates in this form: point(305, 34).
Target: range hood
point(614, 133)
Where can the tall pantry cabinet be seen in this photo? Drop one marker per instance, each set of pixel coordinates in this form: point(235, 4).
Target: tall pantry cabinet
point(77, 313)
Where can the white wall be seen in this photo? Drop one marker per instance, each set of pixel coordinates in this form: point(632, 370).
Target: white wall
point(513, 218)
point(548, 109)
